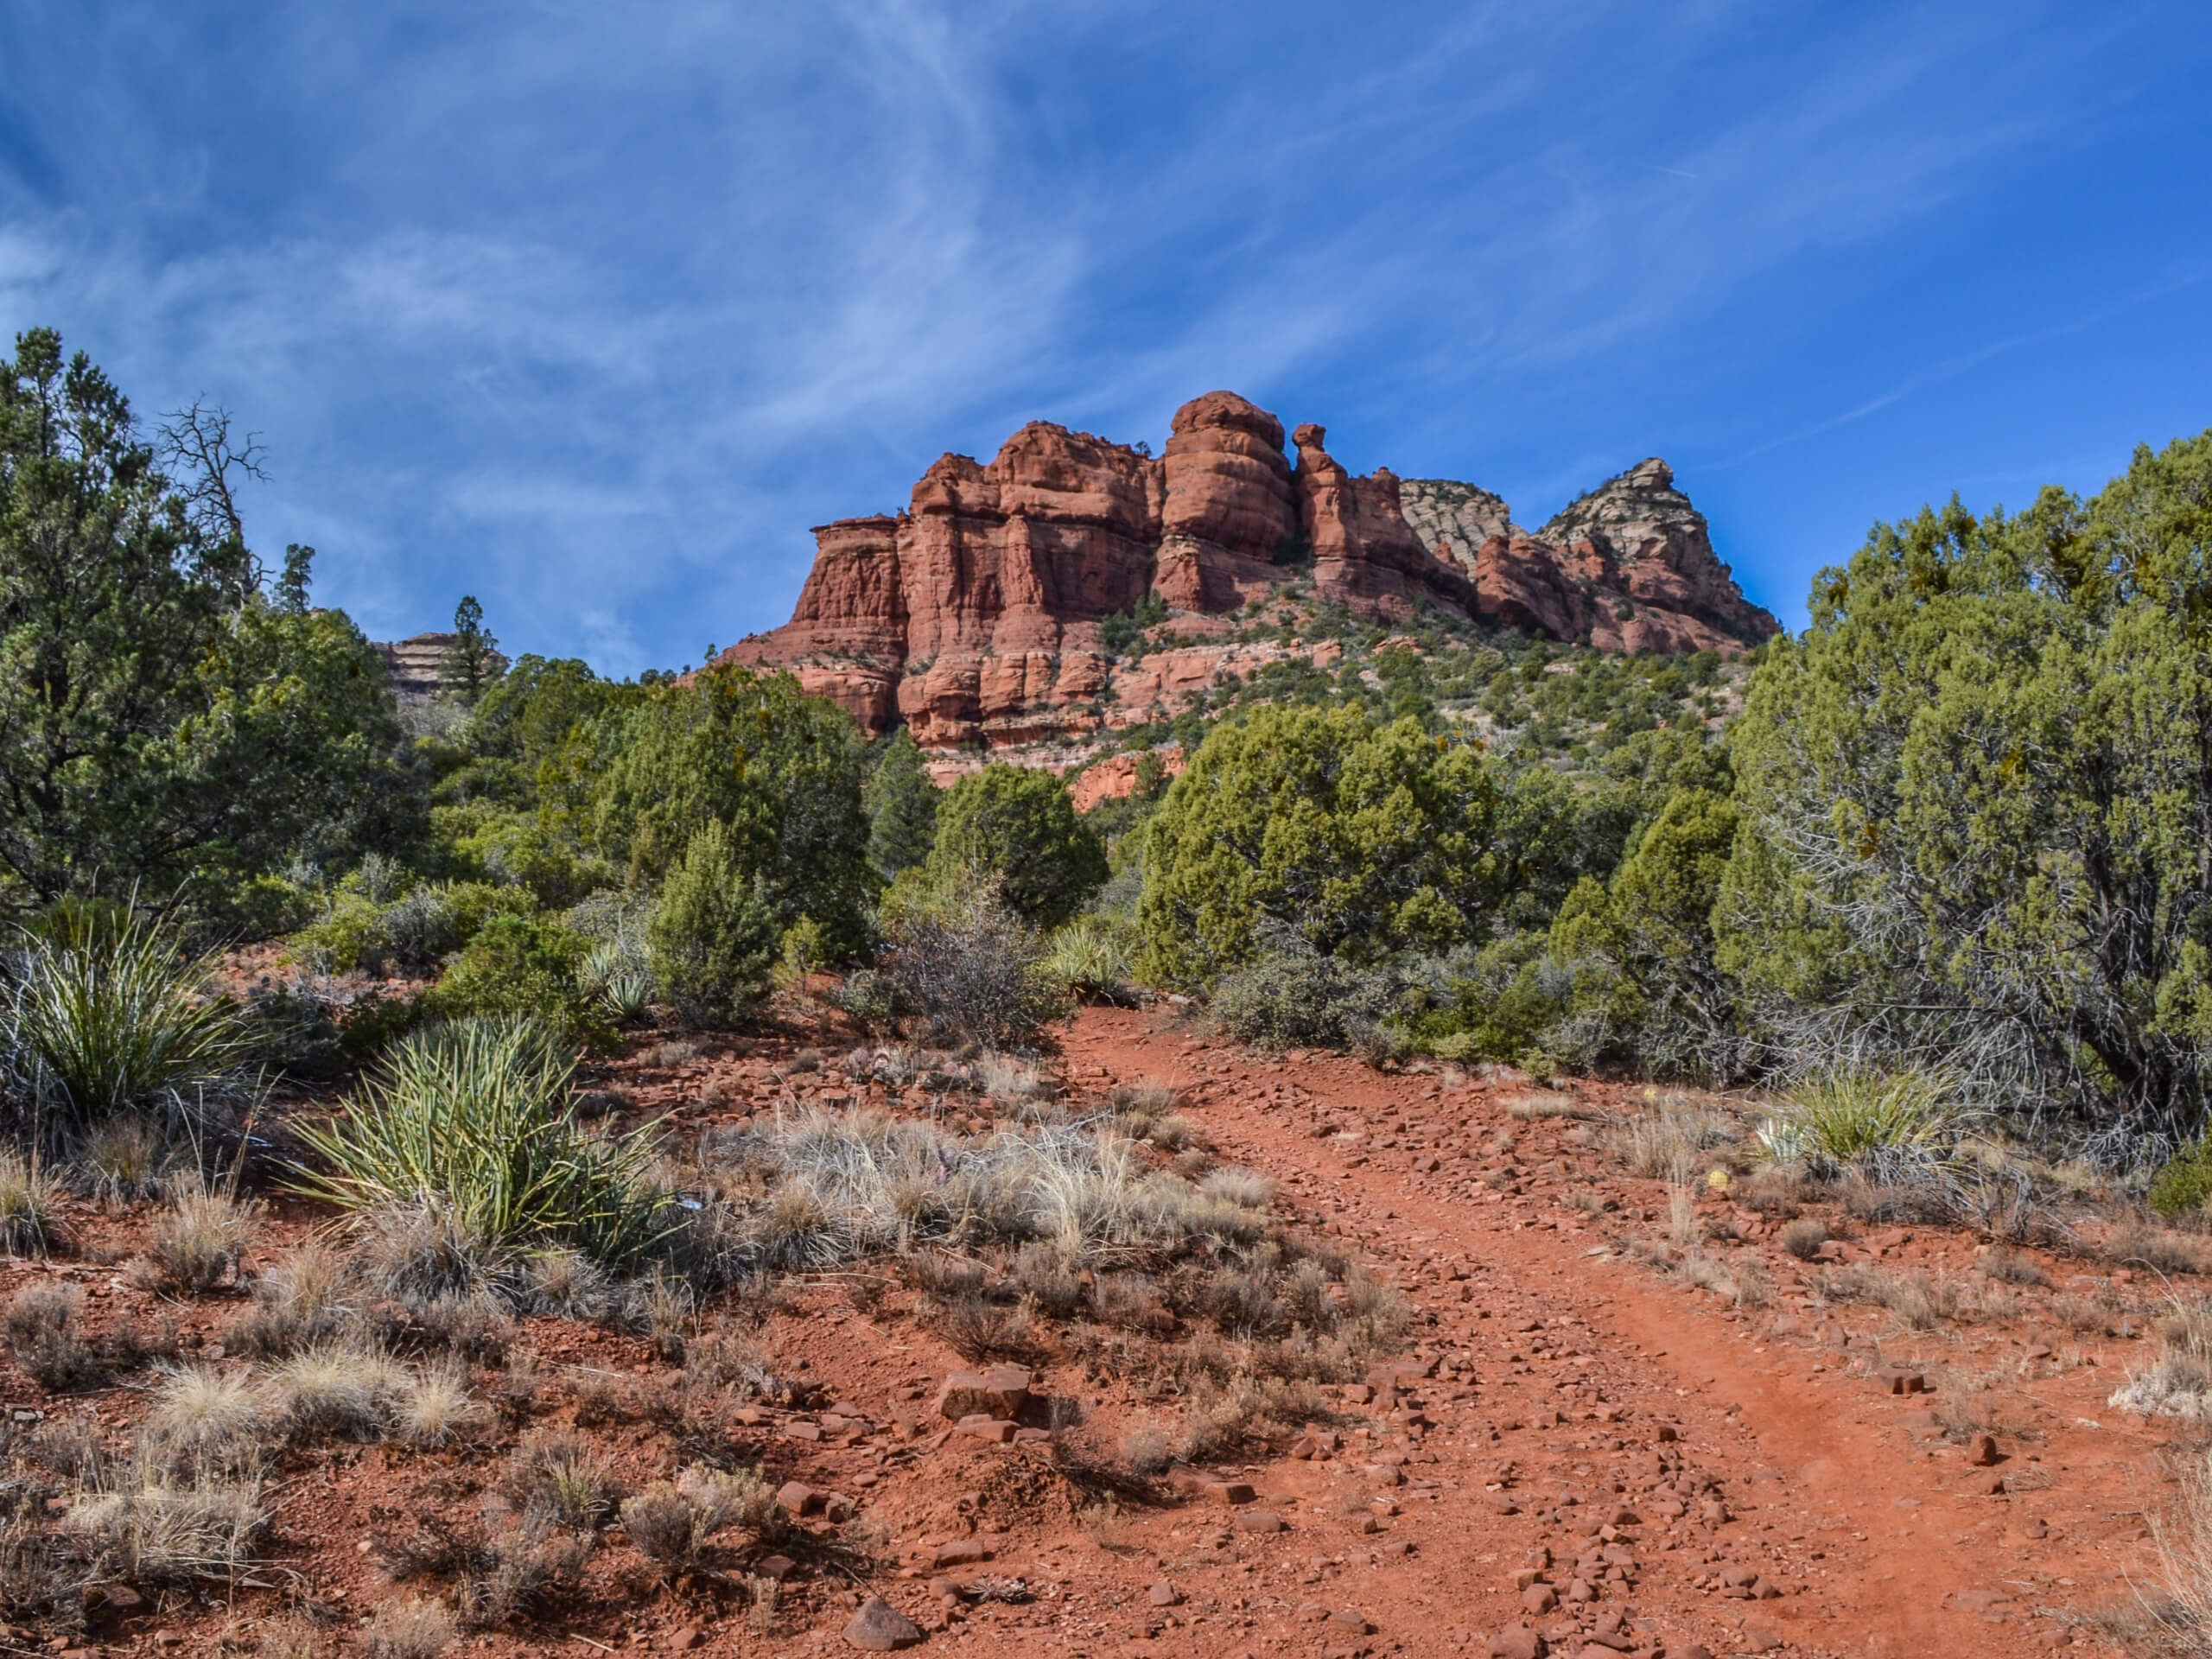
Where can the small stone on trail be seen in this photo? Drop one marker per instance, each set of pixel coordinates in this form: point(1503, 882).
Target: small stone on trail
point(881, 1628)
point(1259, 1521)
point(1983, 1452)
point(1519, 1641)
point(686, 1639)
point(1348, 1620)
point(1165, 1594)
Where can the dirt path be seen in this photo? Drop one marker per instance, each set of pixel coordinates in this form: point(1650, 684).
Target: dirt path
point(1598, 1385)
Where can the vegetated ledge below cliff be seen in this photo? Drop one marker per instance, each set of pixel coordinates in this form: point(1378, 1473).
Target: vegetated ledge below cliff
point(974, 616)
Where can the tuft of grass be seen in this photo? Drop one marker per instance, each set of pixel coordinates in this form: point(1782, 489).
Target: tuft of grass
point(333, 1390)
point(43, 1332)
point(434, 1406)
point(30, 1206)
point(558, 1480)
point(125, 1157)
point(471, 1122)
point(302, 1300)
point(110, 1012)
point(198, 1243)
point(2006, 1267)
point(1089, 960)
point(205, 1423)
point(1846, 1114)
point(1148, 1448)
point(153, 1531)
point(411, 1629)
point(1804, 1237)
point(2162, 1249)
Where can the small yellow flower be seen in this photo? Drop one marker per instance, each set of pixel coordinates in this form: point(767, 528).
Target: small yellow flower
point(1717, 1180)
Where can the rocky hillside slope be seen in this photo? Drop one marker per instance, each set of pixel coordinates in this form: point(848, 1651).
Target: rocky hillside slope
point(975, 615)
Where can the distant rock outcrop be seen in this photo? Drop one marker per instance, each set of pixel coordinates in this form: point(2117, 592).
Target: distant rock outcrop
point(973, 616)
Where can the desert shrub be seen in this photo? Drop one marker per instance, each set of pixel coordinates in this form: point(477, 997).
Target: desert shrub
point(779, 770)
point(1361, 841)
point(522, 967)
point(972, 970)
point(2183, 1185)
point(30, 1204)
point(670, 1523)
point(470, 1122)
point(1018, 825)
point(106, 1010)
point(1299, 998)
point(714, 934)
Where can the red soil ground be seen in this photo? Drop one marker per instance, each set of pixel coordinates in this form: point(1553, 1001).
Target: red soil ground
point(1559, 1395)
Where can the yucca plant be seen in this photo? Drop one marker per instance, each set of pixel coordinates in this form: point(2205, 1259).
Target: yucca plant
point(1853, 1113)
point(617, 977)
point(108, 1011)
point(1089, 959)
point(470, 1122)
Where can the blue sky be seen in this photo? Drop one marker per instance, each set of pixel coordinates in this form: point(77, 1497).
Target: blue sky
point(592, 310)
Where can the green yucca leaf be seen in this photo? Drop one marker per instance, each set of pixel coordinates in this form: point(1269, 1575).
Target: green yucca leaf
point(472, 1120)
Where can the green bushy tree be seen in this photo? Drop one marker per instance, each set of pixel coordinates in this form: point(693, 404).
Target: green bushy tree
point(1363, 839)
point(713, 937)
point(1976, 796)
point(166, 726)
point(777, 770)
point(901, 804)
point(1018, 824)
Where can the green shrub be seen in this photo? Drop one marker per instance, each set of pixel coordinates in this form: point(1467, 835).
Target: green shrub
point(2183, 1182)
point(901, 804)
point(713, 937)
point(471, 1121)
point(108, 1011)
point(1018, 823)
point(529, 966)
point(1301, 1000)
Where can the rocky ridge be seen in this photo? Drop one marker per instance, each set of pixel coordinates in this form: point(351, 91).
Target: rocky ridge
point(974, 616)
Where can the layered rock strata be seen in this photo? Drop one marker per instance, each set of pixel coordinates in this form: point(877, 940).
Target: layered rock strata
point(973, 617)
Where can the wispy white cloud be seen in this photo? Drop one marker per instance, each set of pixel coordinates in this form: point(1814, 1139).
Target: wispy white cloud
point(592, 310)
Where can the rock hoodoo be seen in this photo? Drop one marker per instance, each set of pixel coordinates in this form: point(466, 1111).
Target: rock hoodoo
point(973, 615)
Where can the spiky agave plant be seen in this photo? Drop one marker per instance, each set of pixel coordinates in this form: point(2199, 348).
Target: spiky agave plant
point(471, 1121)
point(106, 1010)
point(1853, 1113)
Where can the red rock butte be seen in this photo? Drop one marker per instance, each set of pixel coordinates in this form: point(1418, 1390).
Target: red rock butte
point(973, 616)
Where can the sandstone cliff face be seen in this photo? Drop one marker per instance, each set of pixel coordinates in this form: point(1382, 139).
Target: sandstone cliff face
point(973, 616)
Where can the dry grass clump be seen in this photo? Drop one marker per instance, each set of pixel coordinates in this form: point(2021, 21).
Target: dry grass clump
point(561, 1481)
point(1538, 1104)
point(204, 1423)
point(1148, 1448)
point(197, 1245)
point(1804, 1237)
point(152, 1531)
point(333, 1390)
point(2006, 1267)
point(2162, 1249)
point(433, 1407)
point(2179, 1383)
point(411, 1629)
point(125, 1158)
point(1669, 1143)
point(672, 1522)
point(43, 1331)
point(1247, 1410)
point(2181, 1610)
point(305, 1299)
point(30, 1206)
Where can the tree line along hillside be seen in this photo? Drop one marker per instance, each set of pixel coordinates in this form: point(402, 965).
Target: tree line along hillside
point(1956, 831)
